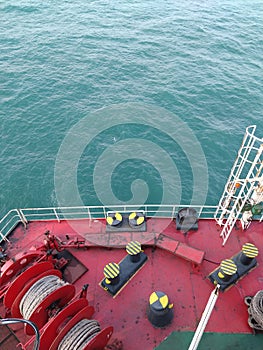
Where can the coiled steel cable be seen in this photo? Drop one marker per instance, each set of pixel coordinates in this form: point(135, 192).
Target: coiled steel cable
point(37, 293)
point(255, 310)
point(80, 335)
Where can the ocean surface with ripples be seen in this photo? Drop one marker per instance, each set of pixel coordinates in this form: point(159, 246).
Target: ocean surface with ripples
point(199, 62)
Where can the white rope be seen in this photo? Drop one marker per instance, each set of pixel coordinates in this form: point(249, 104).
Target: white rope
point(80, 335)
point(255, 310)
point(204, 319)
point(37, 293)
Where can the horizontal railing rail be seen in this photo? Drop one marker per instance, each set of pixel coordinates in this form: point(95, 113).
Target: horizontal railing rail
point(16, 216)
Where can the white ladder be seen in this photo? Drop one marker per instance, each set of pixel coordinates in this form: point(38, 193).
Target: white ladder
point(245, 175)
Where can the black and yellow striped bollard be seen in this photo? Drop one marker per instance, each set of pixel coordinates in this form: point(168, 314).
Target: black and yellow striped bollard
point(112, 273)
point(136, 219)
point(114, 219)
point(249, 252)
point(134, 249)
point(227, 270)
point(159, 310)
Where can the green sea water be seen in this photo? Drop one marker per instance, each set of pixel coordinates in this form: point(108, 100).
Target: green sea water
point(129, 100)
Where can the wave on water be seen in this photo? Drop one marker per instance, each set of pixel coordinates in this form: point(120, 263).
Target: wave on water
point(61, 63)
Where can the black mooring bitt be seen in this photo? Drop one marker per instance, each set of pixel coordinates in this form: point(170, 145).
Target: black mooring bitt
point(128, 268)
point(225, 280)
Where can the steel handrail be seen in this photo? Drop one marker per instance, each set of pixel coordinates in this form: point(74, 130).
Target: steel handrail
point(16, 216)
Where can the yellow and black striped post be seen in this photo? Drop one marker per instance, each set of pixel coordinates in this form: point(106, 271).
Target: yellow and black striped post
point(249, 252)
point(159, 311)
point(111, 273)
point(227, 269)
point(134, 249)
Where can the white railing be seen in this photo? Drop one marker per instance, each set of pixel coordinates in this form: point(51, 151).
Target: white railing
point(16, 216)
point(8, 223)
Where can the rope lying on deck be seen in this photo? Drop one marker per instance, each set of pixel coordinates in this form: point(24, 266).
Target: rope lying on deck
point(255, 310)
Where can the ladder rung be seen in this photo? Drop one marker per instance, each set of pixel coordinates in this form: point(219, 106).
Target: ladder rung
point(247, 166)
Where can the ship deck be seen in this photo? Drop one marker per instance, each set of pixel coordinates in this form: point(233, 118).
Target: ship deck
point(185, 282)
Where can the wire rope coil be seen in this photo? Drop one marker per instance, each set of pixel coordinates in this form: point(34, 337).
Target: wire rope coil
point(80, 335)
point(37, 293)
point(255, 310)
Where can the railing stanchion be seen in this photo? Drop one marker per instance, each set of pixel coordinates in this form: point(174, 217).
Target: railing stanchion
point(22, 217)
point(173, 212)
point(3, 238)
point(90, 217)
point(56, 214)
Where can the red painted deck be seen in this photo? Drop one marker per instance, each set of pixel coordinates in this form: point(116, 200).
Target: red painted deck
point(184, 282)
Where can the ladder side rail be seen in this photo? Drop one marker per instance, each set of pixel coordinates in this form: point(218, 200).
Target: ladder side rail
point(247, 188)
point(240, 167)
point(226, 233)
point(248, 147)
point(236, 176)
point(233, 178)
point(240, 201)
